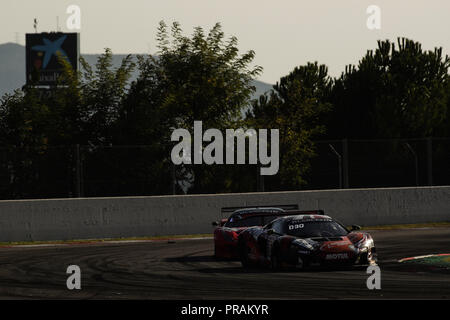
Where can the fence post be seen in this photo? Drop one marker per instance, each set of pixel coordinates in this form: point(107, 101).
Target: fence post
point(77, 171)
point(174, 181)
point(339, 157)
point(259, 179)
point(416, 161)
point(345, 162)
point(430, 160)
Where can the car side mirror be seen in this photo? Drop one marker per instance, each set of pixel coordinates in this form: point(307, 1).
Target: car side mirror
point(215, 223)
point(355, 227)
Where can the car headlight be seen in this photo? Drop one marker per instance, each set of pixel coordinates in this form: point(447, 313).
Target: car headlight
point(364, 243)
point(303, 243)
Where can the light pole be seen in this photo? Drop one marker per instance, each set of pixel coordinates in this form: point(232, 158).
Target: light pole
point(416, 161)
point(174, 180)
point(339, 164)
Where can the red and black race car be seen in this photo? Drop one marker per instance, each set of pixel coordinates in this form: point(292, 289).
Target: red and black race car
point(305, 240)
point(227, 231)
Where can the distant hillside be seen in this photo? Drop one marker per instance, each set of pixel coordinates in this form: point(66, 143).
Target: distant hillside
point(12, 68)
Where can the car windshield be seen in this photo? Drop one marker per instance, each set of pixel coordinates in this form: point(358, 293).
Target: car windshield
point(312, 229)
point(237, 222)
point(268, 219)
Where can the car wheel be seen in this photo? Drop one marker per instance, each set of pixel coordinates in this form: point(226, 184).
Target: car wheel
point(215, 253)
point(243, 255)
point(372, 257)
point(275, 260)
point(300, 264)
point(369, 257)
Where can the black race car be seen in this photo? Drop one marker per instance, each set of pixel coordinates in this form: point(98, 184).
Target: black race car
point(305, 241)
point(227, 230)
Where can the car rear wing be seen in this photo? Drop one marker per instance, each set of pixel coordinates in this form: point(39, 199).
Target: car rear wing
point(286, 207)
point(319, 212)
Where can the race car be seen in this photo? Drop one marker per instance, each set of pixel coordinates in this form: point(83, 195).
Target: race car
point(227, 230)
point(303, 241)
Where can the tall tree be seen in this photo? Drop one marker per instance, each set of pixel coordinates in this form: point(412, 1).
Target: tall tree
point(396, 91)
point(39, 129)
point(295, 107)
point(191, 78)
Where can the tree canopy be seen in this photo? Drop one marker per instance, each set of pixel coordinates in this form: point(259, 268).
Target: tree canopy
point(295, 106)
point(124, 125)
point(396, 91)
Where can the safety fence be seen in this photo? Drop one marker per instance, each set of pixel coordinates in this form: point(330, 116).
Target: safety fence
point(88, 171)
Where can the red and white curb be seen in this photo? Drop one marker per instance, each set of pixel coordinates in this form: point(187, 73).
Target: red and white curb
point(425, 256)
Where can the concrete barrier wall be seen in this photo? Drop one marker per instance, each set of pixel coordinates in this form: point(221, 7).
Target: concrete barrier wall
point(90, 218)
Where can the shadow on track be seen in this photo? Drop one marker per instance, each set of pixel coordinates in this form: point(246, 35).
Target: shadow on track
point(192, 259)
point(234, 266)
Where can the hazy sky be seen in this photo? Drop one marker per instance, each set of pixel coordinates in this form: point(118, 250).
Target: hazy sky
point(283, 33)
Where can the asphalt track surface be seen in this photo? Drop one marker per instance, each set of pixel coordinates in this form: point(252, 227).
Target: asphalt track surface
point(185, 269)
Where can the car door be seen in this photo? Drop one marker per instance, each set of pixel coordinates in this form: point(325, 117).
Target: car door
point(267, 238)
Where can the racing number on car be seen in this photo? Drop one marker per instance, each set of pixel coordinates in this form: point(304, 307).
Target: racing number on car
point(296, 226)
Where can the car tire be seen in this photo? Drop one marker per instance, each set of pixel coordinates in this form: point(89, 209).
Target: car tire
point(372, 256)
point(369, 257)
point(243, 255)
point(300, 264)
point(275, 260)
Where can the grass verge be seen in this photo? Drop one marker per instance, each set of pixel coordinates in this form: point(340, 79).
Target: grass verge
point(409, 226)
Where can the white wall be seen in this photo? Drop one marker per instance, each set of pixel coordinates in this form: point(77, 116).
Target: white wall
point(89, 218)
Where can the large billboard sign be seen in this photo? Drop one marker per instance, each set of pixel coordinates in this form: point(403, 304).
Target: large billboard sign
point(42, 51)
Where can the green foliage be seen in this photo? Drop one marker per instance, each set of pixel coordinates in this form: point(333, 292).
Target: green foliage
point(88, 102)
point(23, 120)
point(295, 107)
point(201, 77)
point(396, 91)
point(39, 128)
